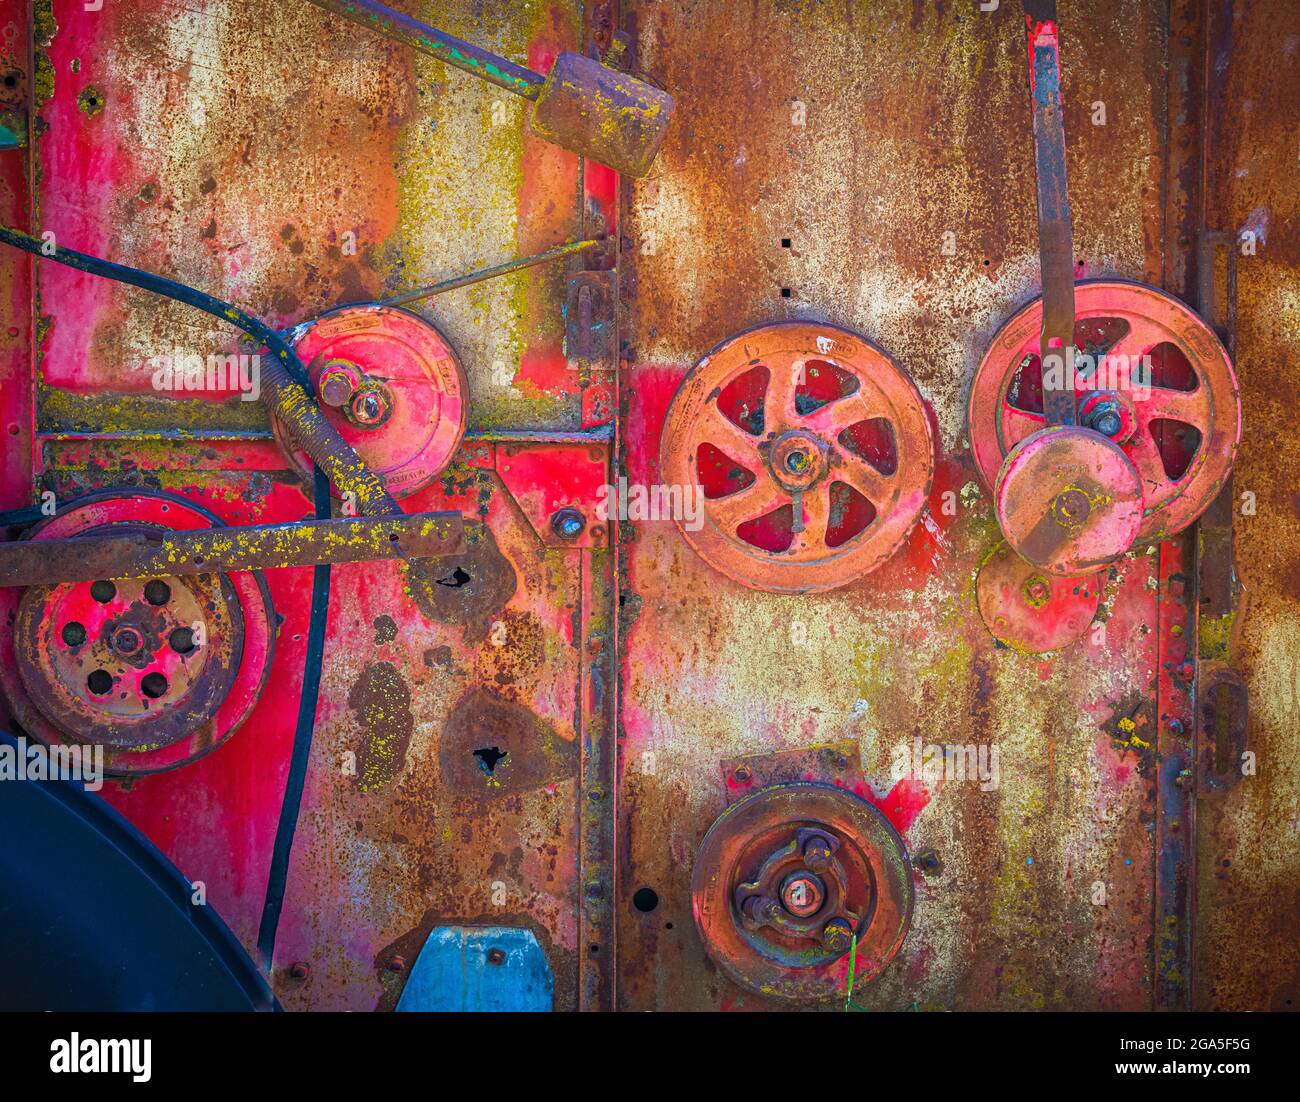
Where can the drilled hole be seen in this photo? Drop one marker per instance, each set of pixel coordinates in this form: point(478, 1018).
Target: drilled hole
point(103, 592)
point(99, 682)
point(181, 640)
point(74, 634)
point(489, 757)
point(157, 592)
point(153, 685)
point(645, 900)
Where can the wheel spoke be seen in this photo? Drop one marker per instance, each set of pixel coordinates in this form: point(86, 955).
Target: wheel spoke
point(1142, 336)
point(1189, 406)
point(757, 499)
point(816, 515)
point(863, 477)
point(830, 420)
point(729, 438)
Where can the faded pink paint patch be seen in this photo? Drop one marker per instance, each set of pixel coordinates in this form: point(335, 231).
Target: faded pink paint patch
point(901, 805)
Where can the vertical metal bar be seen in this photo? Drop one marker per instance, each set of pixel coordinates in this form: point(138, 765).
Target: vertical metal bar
point(1055, 234)
point(597, 790)
point(1175, 774)
point(598, 883)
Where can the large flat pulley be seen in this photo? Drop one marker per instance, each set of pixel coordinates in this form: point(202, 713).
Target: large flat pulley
point(1152, 378)
point(812, 448)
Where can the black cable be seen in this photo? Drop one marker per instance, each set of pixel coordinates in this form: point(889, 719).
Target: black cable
point(319, 607)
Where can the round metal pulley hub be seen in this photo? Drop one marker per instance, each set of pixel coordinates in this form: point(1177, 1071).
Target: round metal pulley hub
point(393, 387)
point(1149, 375)
point(812, 448)
point(1030, 610)
point(157, 670)
point(1068, 500)
point(788, 877)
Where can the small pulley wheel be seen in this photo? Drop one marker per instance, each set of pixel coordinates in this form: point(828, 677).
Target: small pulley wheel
point(1031, 611)
point(788, 878)
point(813, 452)
point(1154, 379)
point(392, 386)
point(156, 670)
point(1068, 500)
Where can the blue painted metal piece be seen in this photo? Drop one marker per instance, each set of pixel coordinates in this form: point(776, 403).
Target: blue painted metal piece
point(94, 917)
point(490, 968)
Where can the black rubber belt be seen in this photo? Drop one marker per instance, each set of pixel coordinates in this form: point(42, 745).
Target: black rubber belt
point(319, 609)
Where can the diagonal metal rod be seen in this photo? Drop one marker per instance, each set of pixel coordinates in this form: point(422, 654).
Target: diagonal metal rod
point(428, 40)
point(480, 274)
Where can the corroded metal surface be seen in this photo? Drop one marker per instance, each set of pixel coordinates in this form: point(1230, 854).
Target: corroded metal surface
point(543, 735)
point(862, 175)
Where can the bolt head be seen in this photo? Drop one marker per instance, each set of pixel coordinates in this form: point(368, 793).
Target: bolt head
point(568, 523)
point(837, 935)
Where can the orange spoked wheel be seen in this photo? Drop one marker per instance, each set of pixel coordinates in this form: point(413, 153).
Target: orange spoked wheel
point(813, 451)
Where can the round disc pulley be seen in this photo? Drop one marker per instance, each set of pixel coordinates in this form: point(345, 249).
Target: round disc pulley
point(813, 450)
point(1162, 391)
point(392, 386)
point(785, 880)
point(156, 670)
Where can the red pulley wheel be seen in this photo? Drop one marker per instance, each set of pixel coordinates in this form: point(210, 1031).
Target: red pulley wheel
point(1178, 423)
point(158, 671)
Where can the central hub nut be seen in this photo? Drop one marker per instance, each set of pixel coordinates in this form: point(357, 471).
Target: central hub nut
point(802, 894)
point(370, 406)
point(127, 640)
point(797, 460)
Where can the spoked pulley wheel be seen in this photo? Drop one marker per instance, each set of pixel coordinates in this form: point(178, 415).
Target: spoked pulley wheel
point(813, 450)
point(159, 670)
point(1154, 380)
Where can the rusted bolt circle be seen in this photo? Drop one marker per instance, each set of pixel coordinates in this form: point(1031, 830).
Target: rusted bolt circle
point(568, 523)
point(338, 380)
point(396, 963)
point(1037, 590)
point(496, 956)
point(371, 406)
point(742, 773)
point(299, 970)
point(802, 894)
point(817, 854)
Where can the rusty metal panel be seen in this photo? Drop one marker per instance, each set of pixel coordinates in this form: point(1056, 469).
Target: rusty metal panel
point(574, 724)
point(831, 202)
point(1248, 899)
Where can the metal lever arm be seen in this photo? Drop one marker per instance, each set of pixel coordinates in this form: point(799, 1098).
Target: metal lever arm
point(1055, 236)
